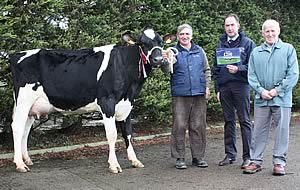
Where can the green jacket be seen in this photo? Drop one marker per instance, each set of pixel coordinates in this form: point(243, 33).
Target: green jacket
point(275, 67)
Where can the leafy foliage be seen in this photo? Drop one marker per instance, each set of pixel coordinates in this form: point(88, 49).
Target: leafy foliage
point(27, 24)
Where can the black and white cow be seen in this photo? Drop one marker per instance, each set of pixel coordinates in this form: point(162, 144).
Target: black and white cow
point(104, 79)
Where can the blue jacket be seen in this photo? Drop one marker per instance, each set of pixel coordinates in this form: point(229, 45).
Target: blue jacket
point(274, 68)
point(188, 78)
point(221, 75)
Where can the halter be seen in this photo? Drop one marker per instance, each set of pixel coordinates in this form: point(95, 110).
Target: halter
point(144, 59)
point(150, 52)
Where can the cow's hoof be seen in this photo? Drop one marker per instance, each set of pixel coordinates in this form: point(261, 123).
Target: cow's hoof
point(115, 170)
point(137, 164)
point(23, 169)
point(28, 162)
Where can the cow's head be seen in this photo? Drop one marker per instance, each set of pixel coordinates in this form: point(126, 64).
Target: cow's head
point(151, 45)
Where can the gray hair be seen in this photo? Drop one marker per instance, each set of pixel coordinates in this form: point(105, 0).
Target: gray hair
point(183, 26)
point(270, 22)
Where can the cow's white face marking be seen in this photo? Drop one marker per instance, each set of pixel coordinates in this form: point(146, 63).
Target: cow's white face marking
point(107, 50)
point(150, 33)
point(28, 54)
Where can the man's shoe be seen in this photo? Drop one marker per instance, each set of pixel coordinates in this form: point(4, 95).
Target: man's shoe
point(226, 161)
point(245, 163)
point(199, 163)
point(252, 168)
point(278, 169)
point(180, 164)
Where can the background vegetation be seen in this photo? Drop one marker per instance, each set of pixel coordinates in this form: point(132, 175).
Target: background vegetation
point(73, 24)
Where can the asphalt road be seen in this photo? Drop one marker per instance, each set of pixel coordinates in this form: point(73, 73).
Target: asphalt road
point(159, 171)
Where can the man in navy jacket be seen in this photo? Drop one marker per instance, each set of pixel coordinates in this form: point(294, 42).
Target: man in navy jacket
point(232, 88)
point(190, 90)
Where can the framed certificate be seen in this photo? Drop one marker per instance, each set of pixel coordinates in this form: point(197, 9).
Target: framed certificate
point(228, 56)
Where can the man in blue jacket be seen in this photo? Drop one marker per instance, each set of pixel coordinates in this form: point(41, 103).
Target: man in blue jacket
point(273, 72)
point(232, 88)
point(190, 89)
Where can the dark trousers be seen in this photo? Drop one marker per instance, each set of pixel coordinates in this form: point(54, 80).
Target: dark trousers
point(188, 113)
point(235, 98)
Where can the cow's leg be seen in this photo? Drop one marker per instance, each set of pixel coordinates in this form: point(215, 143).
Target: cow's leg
point(25, 154)
point(20, 118)
point(126, 129)
point(111, 135)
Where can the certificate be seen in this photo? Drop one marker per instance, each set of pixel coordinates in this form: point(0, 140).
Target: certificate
point(228, 56)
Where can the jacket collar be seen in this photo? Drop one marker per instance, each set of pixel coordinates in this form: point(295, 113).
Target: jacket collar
point(224, 37)
point(277, 45)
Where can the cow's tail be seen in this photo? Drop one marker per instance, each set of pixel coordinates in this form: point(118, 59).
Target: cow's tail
point(4, 55)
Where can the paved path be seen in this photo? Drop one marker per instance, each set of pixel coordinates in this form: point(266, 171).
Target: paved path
point(159, 171)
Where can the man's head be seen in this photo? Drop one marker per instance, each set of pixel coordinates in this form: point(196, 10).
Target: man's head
point(232, 25)
point(185, 35)
point(271, 31)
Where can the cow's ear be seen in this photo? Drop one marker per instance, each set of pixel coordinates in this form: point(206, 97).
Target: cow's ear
point(127, 37)
point(169, 38)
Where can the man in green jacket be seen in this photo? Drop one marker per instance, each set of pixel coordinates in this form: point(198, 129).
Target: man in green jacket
point(273, 72)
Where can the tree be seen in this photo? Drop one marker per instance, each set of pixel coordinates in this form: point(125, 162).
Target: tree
point(74, 24)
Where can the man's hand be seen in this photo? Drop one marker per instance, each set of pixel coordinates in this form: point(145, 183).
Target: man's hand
point(266, 95)
point(269, 94)
point(232, 69)
point(273, 92)
point(165, 55)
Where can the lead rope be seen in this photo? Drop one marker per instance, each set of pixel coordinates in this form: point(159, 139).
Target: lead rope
point(171, 58)
point(142, 62)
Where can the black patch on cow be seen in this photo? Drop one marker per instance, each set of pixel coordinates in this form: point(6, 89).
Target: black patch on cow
point(69, 78)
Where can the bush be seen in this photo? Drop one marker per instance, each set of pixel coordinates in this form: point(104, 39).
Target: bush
point(34, 24)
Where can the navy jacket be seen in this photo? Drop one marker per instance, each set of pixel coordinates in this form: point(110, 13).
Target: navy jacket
point(188, 78)
point(221, 75)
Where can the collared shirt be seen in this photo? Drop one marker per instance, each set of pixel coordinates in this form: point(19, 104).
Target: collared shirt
point(270, 47)
point(233, 39)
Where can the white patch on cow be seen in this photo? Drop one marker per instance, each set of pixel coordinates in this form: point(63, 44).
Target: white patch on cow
point(111, 135)
point(123, 108)
point(91, 107)
point(28, 96)
point(22, 123)
point(36, 99)
point(132, 156)
point(150, 33)
point(130, 152)
point(41, 107)
point(28, 54)
point(107, 50)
